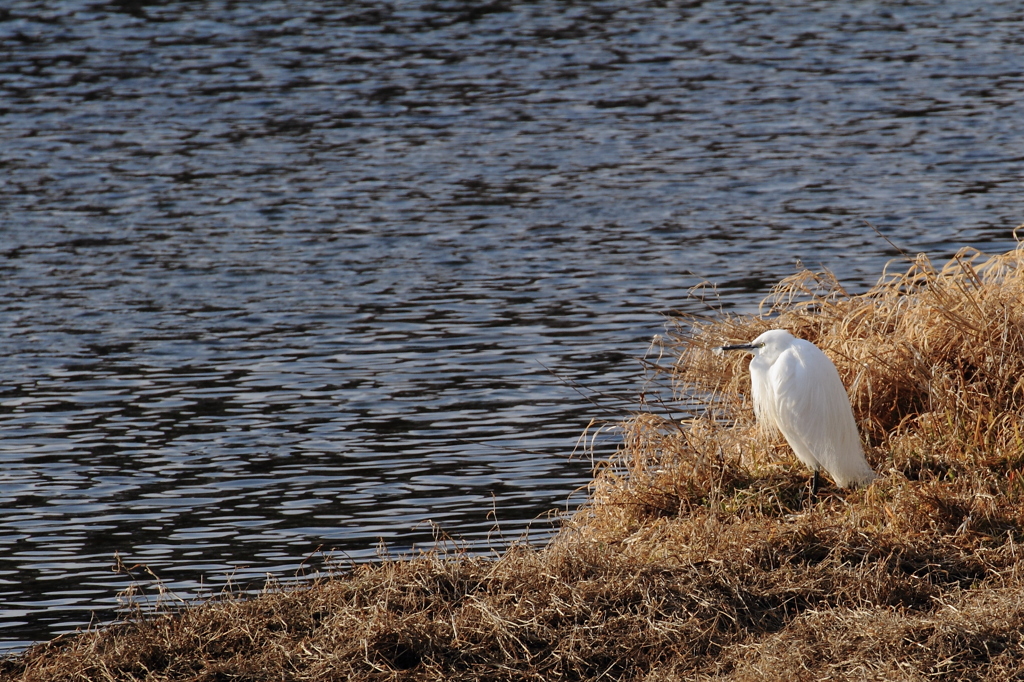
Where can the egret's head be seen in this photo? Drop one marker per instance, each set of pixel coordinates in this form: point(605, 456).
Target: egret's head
point(771, 343)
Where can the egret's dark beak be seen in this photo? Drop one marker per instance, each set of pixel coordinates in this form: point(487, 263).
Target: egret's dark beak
point(741, 346)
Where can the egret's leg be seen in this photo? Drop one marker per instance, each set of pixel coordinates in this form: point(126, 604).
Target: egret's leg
point(815, 483)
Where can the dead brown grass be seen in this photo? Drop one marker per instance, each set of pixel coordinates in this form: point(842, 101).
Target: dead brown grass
point(698, 556)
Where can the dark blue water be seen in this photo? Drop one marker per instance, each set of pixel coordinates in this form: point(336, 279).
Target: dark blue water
point(284, 276)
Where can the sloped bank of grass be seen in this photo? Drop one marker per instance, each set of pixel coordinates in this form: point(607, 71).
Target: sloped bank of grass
point(697, 555)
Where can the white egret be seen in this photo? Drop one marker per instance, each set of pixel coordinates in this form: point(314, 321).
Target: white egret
point(797, 391)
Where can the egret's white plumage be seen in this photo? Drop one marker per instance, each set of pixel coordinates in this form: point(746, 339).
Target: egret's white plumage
point(797, 391)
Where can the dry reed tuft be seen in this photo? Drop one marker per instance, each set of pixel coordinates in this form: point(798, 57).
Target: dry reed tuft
point(698, 556)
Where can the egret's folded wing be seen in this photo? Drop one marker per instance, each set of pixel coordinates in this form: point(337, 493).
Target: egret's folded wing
point(814, 414)
point(796, 381)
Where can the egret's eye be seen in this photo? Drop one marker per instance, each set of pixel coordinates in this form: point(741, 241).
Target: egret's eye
point(761, 345)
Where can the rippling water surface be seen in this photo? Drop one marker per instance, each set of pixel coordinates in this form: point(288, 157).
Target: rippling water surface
point(281, 276)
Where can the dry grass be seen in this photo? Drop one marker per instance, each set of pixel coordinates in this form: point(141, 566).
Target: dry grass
point(698, 556)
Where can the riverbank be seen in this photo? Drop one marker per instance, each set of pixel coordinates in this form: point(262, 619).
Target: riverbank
point(698, 555)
